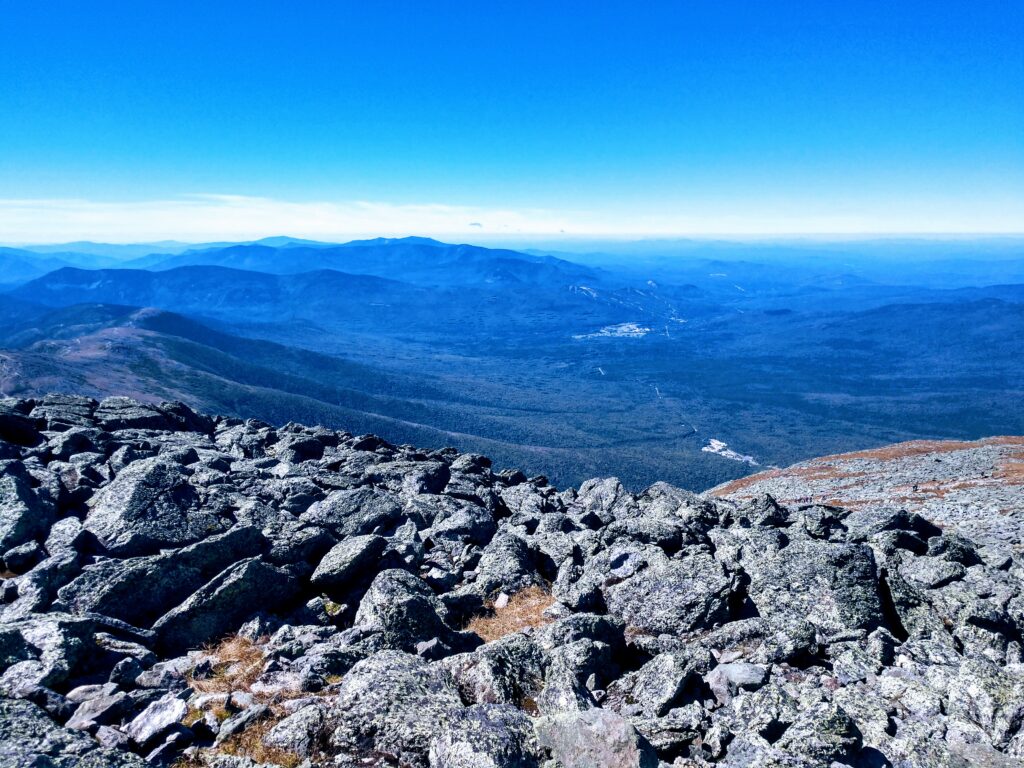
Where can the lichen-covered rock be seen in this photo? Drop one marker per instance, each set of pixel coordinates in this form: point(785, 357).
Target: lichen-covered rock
point(43, 650)
point(485, 736)
point(656, 687)
point(823, 734)
point(149, 505)
point(28, 737)
point(157, 719)
point(301, 733)
point(355, 512)
point(726, 680)
point(224, 603)
point(595, 737)
point(510, 670)
point(99, 710)
point(16, 425)
point(831, 585)
point(673, 596)
point(392, 705)
point(23, 516)
point(403, 611)
point(351, 560)
point(141, 589)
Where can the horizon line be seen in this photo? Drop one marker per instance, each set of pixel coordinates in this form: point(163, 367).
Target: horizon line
point(456, 238)
point(205, 218)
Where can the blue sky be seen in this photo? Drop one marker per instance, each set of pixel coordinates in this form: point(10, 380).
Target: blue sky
point(128, 120)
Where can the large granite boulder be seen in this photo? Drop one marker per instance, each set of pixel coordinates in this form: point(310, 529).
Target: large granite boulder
point(148, 506)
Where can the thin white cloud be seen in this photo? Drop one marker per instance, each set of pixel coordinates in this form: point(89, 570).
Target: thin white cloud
point(208, 217)
point(235, 217)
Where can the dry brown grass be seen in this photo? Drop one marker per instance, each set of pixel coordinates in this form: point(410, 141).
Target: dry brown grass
point(1011, 471)
point(734, 486)
point(908, 449)
point(825, 472)
point(194, 715)
point(238, 663)
point(249, 743)
point(188, 762)
point(524, 609)
point(920, 448)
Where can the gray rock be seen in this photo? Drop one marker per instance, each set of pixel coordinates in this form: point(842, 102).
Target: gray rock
point(929, 572)
point(349, 562)
point(390, 705)
point(240, 721)
point(37, 588)
point(485, 736)
point(23, 516)
point(112, 738)
point(16, 427)
point(580, 626)
point(456, 519)
point(585, 659)
point(66, 535)
point(507, 671)
point(301, 733)
point(726, 680)
point(101, 710)
point(224, 603)
point(404, 611)
point(76, 440)
point(22, 558)
point(356, 512)
point(29, 738)
point(671, 596)
point(139, 590)
point(87, 692)
point(125, 413)
point(149, 505)
point(60, 412)
point(124, 672)
point(707, 631)
point(833, 586)
point(166, 674)
point(506, 565)
point(823, 734)
point(45, 650)
point(654, 688)
point(563, 691)
point(595, 738)
point(157, 719)
point(679, 730)
point(606, 500)
point(993, 698)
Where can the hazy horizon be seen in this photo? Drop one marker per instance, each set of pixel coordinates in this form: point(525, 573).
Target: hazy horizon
point(575, 242)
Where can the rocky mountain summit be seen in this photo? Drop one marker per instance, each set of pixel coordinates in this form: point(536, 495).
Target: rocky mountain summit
point(187, 590)
point(975, 488)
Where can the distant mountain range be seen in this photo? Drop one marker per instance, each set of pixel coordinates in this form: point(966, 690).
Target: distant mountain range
point(416, 260)
point(576, 369)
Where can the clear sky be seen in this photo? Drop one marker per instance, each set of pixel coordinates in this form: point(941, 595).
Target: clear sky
point(193, 120)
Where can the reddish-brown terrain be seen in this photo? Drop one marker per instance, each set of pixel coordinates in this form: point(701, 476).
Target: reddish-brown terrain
point(975, 487)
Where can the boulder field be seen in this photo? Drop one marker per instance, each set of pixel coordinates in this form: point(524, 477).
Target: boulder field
point(180, 589)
